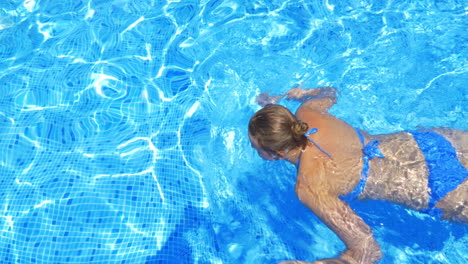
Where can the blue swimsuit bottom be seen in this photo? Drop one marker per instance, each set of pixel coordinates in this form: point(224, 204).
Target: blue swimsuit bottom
point(445, 170)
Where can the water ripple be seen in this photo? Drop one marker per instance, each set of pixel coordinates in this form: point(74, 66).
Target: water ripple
point(123, 122)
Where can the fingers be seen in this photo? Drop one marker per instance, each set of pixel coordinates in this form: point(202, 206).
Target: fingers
point(262, 103)
point(262, 99)
point(262, 96)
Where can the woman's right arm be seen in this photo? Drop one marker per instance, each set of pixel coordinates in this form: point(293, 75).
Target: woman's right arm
point(318, 99)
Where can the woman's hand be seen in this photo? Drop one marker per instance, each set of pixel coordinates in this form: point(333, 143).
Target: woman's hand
point(299, 94)
point(265, 99)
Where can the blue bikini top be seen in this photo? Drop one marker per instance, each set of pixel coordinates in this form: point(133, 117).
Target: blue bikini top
point(370, 151)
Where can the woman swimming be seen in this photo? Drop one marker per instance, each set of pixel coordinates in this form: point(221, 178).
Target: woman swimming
point(424, 170)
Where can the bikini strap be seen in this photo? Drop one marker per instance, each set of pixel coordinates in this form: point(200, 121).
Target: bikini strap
point(313, 131)
point(370, 151)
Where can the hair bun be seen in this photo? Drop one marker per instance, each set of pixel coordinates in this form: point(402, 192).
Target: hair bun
point(299, 128)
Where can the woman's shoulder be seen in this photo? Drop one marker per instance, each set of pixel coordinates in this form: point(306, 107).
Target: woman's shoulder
point(305, 113)
point(321, 120)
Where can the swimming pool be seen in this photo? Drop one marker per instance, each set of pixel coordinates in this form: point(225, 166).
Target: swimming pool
point(123, 124)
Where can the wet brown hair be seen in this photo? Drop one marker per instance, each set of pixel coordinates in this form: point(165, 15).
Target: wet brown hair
point(277, 129)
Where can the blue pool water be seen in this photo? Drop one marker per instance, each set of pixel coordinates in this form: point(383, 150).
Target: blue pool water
point(123, 124)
